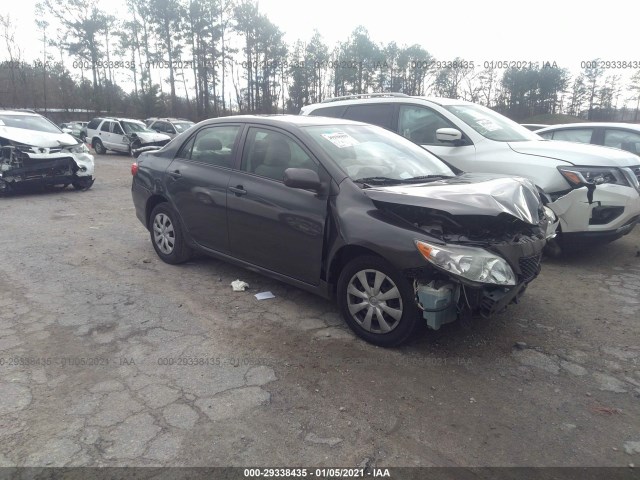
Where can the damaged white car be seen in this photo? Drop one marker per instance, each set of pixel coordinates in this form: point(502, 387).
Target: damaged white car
point(594, 191)
point(35, 151)
point(124, 135)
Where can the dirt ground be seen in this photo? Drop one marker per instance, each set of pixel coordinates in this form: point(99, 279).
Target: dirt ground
point(108, 356)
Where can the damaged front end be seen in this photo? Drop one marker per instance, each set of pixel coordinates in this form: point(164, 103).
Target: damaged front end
point(146, 143)
point(485, 243)
point(62, 164)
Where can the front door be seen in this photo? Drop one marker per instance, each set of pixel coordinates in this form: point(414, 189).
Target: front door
point(271, 225)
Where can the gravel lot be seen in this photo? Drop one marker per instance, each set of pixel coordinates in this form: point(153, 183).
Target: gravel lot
point(110, 357)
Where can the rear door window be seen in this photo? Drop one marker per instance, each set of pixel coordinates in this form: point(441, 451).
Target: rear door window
point(622, 139)
point(335, 111)
point(579, 135)
point(212, 145)
point(380, 114)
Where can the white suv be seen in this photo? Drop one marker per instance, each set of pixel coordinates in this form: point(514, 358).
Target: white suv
point(123, 135)
point(594, 191)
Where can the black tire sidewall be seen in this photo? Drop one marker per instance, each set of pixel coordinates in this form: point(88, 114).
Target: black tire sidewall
point(99, 147)
point(410, 321)
point(181, 252)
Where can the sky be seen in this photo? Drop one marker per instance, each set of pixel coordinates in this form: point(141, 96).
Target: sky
point(565, 32)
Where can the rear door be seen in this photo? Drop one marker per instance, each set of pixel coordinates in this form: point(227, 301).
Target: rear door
point(271, 225)
point(197, 181)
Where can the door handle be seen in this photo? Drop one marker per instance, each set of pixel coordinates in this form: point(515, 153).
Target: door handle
point(175, 174)
point(239, 190)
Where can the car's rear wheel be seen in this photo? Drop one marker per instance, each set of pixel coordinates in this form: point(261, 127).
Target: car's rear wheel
point(167, 236)
point(377, 302)
point(99, 147)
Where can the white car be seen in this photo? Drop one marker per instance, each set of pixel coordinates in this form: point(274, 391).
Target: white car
point(625, 136)
point(169, 126)
point(124, 135)
point(35, 151)
point(594, 191)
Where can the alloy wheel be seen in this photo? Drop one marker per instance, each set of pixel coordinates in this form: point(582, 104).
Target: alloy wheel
point(374, 301)
point(164, 234)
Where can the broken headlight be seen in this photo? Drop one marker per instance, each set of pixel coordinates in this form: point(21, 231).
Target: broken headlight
point(475, 264)
point(579, 176)
point(79, 148)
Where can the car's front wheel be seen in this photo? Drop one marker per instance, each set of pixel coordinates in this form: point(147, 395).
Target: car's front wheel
point(134, 146)
point(377, 302)
point(167, 236)
point(99, 147)
point(82, 183)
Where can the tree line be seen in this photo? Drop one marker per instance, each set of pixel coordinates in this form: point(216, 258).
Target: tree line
point(205, 58)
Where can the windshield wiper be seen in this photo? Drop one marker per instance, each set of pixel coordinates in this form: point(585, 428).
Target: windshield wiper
point(387, 180)
point(377, 180)
point(426, 177)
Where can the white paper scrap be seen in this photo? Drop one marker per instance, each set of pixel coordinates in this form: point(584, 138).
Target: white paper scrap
point(264, 295)
point(239, 286)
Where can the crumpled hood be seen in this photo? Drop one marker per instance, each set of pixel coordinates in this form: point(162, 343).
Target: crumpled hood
point(468, 194)
point(35, 138)
point(577, 153)
point(152, 136)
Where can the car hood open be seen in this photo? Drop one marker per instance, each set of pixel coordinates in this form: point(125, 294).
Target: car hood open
point(468, 194)
point(576, 153)
point(35, 138)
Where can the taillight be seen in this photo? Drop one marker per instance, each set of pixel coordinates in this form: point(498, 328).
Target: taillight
point(134, 168)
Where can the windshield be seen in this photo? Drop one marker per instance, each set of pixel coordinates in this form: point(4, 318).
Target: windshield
point(182, 126)
point(490, 124)
point(29, 122)
point(375, 155)
point(133, 127)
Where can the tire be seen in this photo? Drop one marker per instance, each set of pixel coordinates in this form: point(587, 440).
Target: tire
point(99, 147)
point(167, 235)
point(83, 183)
point(385, 321)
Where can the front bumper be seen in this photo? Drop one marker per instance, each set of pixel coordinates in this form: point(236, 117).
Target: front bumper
point(444, 298)
point(620, 205)
point(148, 147)
point(44, 168)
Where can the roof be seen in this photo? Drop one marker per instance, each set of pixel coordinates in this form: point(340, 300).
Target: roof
point(167, 119)
point(19, 112)
point(384, 98)
point(290, 120)
point(628, 126)
point(119, 119)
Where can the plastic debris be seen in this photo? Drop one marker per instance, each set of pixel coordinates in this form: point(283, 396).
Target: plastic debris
point(264, 295)
point(239, 286)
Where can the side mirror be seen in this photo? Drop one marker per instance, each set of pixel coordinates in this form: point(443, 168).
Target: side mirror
point(449, 135)
point(302, 178)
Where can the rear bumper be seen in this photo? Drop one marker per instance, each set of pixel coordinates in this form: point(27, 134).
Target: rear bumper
point(140, 196)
